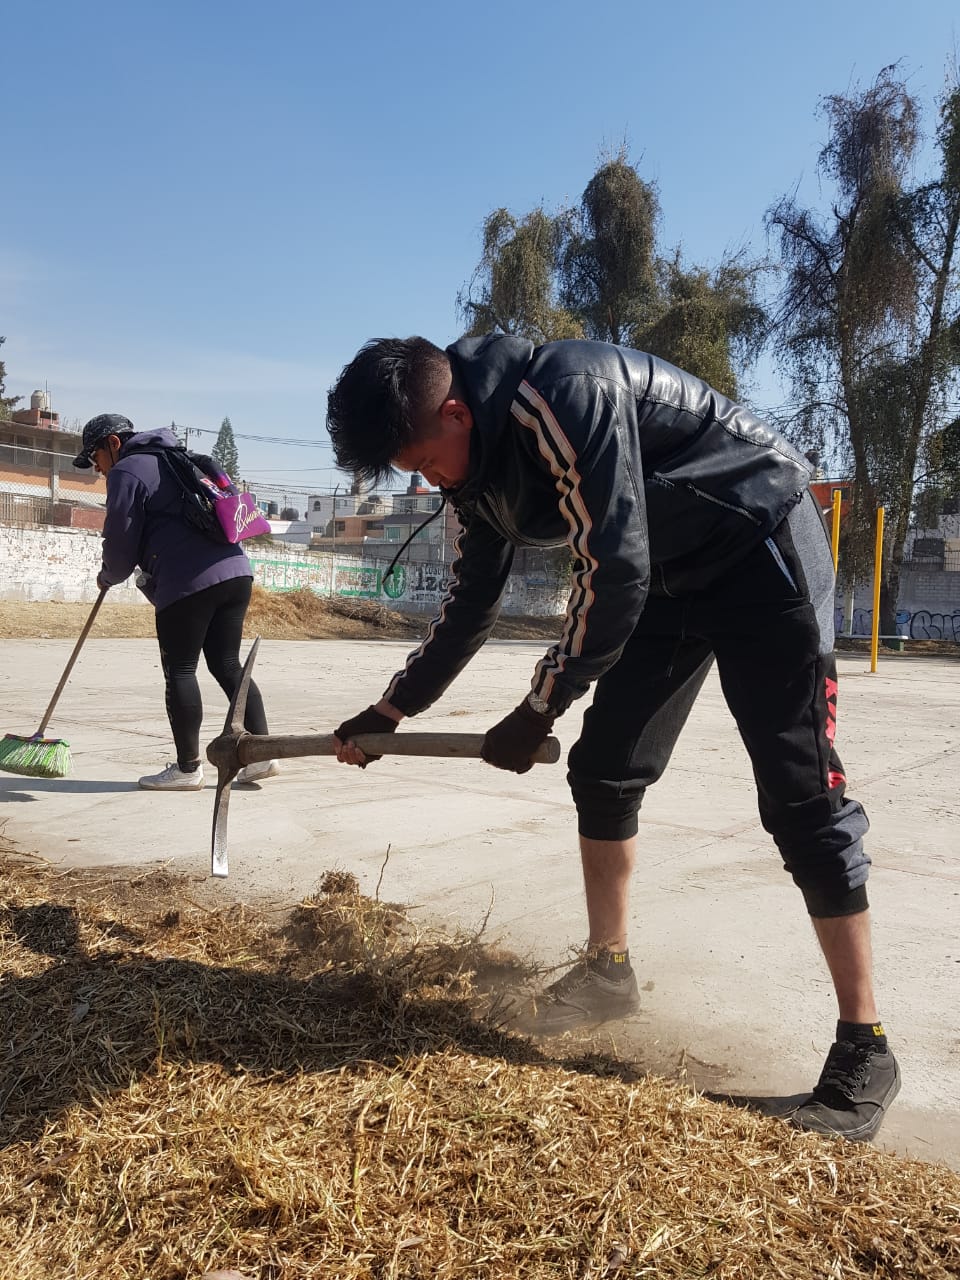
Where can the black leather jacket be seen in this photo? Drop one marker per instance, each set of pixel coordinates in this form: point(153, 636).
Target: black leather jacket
point(656, 482)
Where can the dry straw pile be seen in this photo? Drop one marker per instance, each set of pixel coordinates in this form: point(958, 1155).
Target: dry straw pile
point(325, 1094)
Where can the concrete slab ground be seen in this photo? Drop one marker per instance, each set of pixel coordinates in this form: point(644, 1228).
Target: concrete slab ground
point(734, 990)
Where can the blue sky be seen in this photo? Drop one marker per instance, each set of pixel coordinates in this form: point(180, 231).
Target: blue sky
point(207, 207)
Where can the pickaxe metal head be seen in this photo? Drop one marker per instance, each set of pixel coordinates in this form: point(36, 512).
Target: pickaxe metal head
point(224, 752)
point(235, 748)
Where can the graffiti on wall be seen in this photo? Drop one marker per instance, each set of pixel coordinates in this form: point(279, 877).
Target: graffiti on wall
point(921, 625)
point(290, 575)
point(420, 587)
point(356, 580)
point(427, 583)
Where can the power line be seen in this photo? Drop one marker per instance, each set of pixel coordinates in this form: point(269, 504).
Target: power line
point(296, 442)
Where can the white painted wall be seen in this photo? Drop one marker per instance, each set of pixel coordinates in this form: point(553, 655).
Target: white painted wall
point(42, 563)
point(47, 563)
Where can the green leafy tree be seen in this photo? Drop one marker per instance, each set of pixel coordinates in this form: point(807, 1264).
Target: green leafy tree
point(608, 270)
point(593, 271)
point(939, 486)
point(512, 290)
point(708, 322)
point(225, 450)
point(869, 321)
point(7, 403)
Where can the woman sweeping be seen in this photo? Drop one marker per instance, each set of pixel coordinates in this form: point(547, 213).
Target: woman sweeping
point(200, 588)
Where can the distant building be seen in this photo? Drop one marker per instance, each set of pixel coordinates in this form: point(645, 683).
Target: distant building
point(360, 522)
point(38, 482)
point(823, 490)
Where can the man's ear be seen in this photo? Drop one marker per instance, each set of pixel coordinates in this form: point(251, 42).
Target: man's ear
point(455, 414)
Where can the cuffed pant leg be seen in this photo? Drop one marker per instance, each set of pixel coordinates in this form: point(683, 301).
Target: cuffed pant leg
point(779, 678)
point(629, 732)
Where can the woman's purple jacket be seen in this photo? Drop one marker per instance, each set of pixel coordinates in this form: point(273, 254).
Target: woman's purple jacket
point(145, 527)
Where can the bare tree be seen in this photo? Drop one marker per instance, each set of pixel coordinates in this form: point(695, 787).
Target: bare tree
point(866, 324)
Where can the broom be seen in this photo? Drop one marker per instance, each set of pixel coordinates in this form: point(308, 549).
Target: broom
point(40, 757)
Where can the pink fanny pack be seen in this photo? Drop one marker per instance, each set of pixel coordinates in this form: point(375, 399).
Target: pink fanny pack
point(239, 516)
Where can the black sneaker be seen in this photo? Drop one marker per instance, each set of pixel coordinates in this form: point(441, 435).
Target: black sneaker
point(855, 1088)
point(580, 998)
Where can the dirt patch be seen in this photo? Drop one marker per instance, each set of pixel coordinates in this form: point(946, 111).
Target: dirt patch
point(293, 615)
point(909, 649)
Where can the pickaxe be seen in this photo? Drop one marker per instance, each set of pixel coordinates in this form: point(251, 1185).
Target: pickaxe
point(235, 748)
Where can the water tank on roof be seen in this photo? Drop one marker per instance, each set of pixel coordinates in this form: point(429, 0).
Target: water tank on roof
point(40, 400)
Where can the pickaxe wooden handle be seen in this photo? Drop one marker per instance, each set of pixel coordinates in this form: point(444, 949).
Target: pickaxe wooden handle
point(252, 748)
point(235, 748)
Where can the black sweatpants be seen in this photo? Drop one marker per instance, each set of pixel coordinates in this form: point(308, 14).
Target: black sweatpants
point(211, 622)
point(769, 625)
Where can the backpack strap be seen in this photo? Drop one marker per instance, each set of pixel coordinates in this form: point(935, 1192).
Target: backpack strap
point(213, 471)
point(197, 497)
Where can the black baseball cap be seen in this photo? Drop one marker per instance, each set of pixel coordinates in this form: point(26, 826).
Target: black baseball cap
point(97, 429)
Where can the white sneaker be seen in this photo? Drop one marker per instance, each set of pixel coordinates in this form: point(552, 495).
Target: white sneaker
point(173, 778)
point(257, 772)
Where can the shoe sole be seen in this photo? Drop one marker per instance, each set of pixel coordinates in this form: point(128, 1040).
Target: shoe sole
point(867, 1131)
point(146, 786)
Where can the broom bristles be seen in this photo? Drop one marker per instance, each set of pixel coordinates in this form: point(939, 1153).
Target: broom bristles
point(35, 757)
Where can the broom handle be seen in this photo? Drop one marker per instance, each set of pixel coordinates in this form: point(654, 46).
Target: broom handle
point(73, 657)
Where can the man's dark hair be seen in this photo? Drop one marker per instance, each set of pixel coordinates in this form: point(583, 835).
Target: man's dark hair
point(373, 407)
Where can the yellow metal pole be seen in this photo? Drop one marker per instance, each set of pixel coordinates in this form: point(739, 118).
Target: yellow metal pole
point(877, 568)
point(835, 539)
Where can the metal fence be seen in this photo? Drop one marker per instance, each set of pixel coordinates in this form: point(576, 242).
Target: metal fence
point(945, 561)
point(32, 488)
point(18, 508)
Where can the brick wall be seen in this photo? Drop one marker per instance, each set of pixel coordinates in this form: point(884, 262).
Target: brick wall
point(929, 589)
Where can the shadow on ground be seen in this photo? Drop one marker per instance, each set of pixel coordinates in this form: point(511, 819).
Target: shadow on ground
point(92, 1021)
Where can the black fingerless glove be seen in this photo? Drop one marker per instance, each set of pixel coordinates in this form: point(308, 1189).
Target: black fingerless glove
point(369, 721)
point(512, 743)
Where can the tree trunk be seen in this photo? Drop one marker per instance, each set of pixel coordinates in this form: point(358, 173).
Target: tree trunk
point(889, 595)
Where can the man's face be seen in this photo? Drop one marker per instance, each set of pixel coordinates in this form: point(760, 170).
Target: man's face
point(441, 453)
point(104, 454)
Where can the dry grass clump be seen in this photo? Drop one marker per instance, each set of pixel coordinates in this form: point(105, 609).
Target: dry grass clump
point(323, 1093)
point(306, 615)
point(287, 615)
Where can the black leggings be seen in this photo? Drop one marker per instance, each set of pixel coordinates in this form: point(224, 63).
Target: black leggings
point(210, 622)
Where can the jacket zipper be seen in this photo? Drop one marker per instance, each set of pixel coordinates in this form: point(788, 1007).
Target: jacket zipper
point(717, 502)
